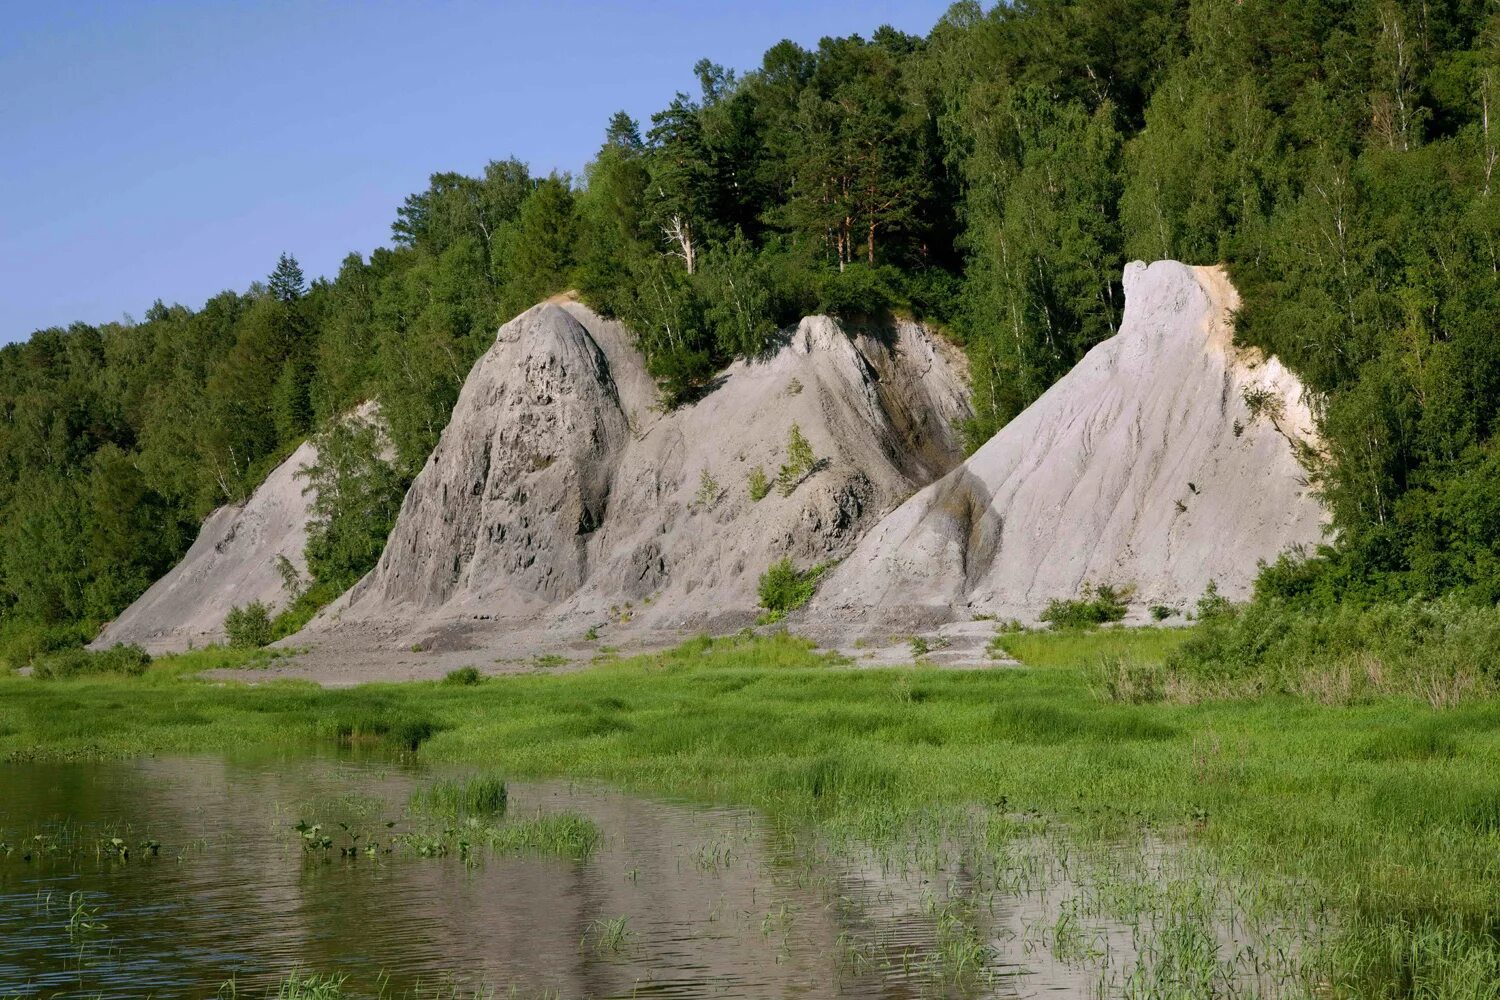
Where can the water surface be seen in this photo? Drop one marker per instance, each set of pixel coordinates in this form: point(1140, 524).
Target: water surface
point(715, 901)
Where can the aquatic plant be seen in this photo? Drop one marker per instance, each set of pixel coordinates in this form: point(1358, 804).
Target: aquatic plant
point(482, 795)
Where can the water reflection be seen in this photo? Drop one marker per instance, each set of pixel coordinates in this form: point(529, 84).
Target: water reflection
point(715, 902)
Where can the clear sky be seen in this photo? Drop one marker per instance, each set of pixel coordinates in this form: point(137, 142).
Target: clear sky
point(172, 150)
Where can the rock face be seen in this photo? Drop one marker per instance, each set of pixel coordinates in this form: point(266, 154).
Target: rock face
point(1165, 459)
point(559, 494)
point(232, 562)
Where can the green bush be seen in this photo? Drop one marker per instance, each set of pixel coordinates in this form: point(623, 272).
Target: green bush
point(249, 626)
point(398, 730)
point(784, 588)
point(128, 661)
point(1106, 605)
point(463, 677)
point(800, 461)
point(759, 485)
point(858, 290)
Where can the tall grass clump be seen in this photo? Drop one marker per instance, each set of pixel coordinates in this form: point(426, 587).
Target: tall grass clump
point(477, 795)
point(396, 729)
point(1441, 652)
point(119, 660)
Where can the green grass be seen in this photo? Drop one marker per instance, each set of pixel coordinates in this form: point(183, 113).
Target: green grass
point(1388, 807)
point(474, 795)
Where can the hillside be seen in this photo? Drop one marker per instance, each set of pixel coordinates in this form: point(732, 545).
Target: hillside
point(559, 498)
point(1167, 459)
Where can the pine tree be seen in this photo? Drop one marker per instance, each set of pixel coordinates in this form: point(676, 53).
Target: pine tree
point(286, 282)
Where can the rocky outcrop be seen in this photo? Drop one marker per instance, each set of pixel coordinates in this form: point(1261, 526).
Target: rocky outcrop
point(559, 493)
point(1167, 458)
point(235, 560)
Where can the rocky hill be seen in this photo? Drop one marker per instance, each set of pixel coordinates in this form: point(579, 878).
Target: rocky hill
point(1166, 459)
point(560, 497)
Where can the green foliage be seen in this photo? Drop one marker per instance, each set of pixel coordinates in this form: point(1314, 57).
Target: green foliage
point(1105, 605)
point(758, 485)
point(708, 490)
point(800, 461)
point(784, 588)
point(476, 795)
point(119, 659)
point(249, 626)
point(463, 677)
point(357, 493)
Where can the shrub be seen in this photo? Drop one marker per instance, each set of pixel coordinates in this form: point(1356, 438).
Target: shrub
point(783, 587)
point(858, 290)
point(1213, 604)
point(759, 485)
point(1161, 612)
point(249, 626)
point(1106, 605)
point(127, 661)
point(708, 490)
point(463, 677)
point(800, 461)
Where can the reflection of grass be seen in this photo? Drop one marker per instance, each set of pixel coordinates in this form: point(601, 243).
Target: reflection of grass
point(1386, 810)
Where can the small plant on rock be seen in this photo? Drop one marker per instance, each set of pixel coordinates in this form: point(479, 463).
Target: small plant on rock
point(800, 461)
point(708, 490)
point(784, 588)
point(759, 485)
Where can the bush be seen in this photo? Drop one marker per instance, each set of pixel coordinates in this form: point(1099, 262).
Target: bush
point(858, 290)
point(800, 461)
point(785, 588)
point(463, 677)
point(401, 731)
point(1106, 605)
point(249, 626)
point(120, 659)
point(22, 643)
point(1161, 612)
point(759, 485)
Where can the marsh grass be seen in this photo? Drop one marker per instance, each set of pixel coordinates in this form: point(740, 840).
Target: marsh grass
point(482, 795)
point(1380, 812)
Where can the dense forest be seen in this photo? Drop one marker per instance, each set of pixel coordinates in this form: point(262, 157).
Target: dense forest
point(992, 177)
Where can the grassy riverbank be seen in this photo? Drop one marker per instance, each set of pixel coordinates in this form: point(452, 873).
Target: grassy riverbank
point(1387, 808)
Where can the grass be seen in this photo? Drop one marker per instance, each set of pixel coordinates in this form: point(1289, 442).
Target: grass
point(1387, 807)
point(474, 795)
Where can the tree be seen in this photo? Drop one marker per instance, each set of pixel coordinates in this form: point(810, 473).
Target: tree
point(286, 282)
point(539, 246)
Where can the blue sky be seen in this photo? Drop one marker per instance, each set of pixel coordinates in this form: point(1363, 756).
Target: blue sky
point(172, 150)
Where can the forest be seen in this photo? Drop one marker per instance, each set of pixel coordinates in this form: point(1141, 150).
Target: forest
point(992, 178)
